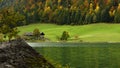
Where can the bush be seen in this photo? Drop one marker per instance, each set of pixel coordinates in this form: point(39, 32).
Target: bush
point(36, 33)
point(65, 36)
point(1, 37)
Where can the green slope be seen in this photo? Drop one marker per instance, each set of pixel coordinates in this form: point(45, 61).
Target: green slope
point(87, 33)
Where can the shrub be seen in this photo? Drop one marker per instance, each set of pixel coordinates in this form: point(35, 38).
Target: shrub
point(1, 37)
point(36, 33)
point(65, 35)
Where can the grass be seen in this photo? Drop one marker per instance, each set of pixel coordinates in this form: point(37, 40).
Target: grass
point(88, 33)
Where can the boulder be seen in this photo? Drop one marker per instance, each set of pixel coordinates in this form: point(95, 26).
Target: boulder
point(18, 54)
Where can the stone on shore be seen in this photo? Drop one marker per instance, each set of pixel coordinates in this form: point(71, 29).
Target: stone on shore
point(18, 54)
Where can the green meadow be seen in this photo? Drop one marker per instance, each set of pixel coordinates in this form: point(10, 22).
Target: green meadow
point(87, 33)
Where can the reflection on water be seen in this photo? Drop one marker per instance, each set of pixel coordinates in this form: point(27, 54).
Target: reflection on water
point(81, 55)
point(62, 44)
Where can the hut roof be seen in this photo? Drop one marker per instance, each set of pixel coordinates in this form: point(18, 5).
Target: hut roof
point(42, 33)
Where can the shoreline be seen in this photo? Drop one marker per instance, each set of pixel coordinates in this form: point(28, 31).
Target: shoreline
point(71, 42)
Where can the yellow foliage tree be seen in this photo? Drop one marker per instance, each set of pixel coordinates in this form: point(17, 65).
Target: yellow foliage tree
point(59, 1)
point(33, 6)
point(86, 4)
point(97, 8)
point(91, 8)
point(47, 9)
point(112, 11)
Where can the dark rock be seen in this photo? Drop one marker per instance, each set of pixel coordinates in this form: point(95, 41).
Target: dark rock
point(18, 54)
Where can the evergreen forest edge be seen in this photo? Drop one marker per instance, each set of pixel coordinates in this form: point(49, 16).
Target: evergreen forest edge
point(70, 12)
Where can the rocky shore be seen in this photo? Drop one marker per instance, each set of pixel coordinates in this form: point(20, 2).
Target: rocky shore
point(18, 54)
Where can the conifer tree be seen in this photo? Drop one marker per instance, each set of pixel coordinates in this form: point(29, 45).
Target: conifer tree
point(97, 13)
point(117, 15)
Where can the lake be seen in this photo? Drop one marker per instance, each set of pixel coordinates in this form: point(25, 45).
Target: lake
point(81, 55)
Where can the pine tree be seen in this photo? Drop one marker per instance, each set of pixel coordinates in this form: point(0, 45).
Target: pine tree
point(117, 15)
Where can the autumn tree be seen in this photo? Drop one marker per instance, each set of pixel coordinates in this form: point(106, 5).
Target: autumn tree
point(90, 14)
point(112, 13)
point(97, 13)
point(65, 11)
point(8, 23)
point(46, 14)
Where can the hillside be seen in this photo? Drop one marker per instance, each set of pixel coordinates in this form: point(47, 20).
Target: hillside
point(87, 33)
point(76, 12)
point(6, 3)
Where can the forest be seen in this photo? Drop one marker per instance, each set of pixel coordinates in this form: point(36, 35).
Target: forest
point(65, 12)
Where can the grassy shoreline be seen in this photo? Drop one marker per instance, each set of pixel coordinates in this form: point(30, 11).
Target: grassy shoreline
point(84, 33)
